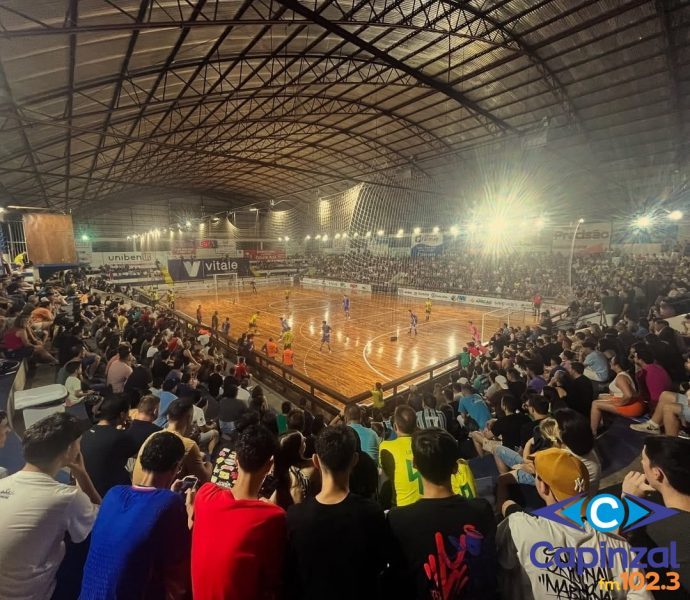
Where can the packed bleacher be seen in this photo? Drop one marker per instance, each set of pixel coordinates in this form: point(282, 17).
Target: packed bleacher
point(166, 473)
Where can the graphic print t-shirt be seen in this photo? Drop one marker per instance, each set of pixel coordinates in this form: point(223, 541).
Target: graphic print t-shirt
point(444, 548)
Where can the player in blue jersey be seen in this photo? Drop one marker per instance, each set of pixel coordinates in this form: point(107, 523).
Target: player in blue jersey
point(413, 323)
point(325, 336)
point(346, 306)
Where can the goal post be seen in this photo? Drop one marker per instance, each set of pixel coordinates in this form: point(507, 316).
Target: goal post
point(225, 284)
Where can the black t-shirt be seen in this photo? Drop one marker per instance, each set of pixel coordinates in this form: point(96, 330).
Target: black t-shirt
point(106, 450)
point(336, 551)
point(68, 346)
point(579, 395)
point(160, 369)
point(139, 431)
point(510, 428)
point(517, 388)
point(660, 535)
point(457, 523)
point(215, 382)
point(231, 409)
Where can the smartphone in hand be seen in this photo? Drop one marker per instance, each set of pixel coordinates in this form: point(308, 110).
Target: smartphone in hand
point(188, 483)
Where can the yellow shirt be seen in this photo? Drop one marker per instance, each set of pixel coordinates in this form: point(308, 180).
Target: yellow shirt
point(377, 398)
point(395, 457)
point(463, 481)
point(427, 306)
point(122, 322)
point(252, 320)
point(287, 337)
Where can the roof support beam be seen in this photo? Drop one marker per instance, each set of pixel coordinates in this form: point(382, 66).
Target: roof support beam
point(72, 17)
point(434, 84)
point(664, 8)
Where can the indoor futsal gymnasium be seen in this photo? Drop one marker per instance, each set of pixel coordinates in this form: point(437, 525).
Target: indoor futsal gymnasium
point(344, 299)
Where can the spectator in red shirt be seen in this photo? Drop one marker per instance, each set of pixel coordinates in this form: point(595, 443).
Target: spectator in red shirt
point(238, 541)
point(241, 370)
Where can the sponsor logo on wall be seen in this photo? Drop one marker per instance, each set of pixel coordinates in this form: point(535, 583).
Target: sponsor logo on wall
point(185, 270)
point(591, 238)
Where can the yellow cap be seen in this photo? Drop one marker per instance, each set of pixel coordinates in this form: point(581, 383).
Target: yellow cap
point(562, 471)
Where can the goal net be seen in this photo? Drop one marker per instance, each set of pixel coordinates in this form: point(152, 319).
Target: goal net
point(226, 285)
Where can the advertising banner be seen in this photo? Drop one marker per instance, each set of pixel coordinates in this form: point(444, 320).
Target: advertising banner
point(343, 285)
point(134, 259)
point(591, 238)
point(427, 244)
point(465, 299)
point(186, 270)
point(265, 254)
point(202, 247)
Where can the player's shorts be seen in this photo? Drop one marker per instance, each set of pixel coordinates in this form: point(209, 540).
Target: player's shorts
point(325, 338)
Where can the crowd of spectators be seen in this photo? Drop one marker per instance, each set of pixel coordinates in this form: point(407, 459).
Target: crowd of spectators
point(516, 276)
point(171, 476)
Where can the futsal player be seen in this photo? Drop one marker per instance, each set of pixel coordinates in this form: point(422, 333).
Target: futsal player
point(198, 315)
point(253, 287)
point(287, 296)
point(253, 321)
point(284, 325)
point(413, 323)
point(171, 298)
point(346, 306)
point(325, 336)
point(287, 338)
point(474, 332)
point(427, 309)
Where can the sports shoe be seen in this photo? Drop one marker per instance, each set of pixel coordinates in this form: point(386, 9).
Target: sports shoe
point(649, 427)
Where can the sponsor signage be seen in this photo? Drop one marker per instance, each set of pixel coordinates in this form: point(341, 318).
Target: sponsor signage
point(119, 259)
point(466, 299)
point(591, 238)
point(343, 285)
point(265, 254)
point(427, 244)
point(189, 269)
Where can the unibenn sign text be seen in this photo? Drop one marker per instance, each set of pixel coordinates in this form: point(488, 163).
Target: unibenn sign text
point(185, 270)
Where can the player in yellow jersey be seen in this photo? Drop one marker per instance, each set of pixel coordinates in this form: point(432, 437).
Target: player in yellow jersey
point(253, 321)
point(171, 298)
point(427, 309)
point(287, 338)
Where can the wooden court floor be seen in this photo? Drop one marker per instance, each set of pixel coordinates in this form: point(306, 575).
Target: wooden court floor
point(362, 352)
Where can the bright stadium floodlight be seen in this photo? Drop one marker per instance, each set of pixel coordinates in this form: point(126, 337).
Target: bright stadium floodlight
point(84, 237)
point(356, 234)
point(580, 221)
point(379, 232)
point(287, 239)
point(435, 229)
point(280, 239)
point(308, 237)
point(325, 237)
point(540, 223)
point(345, 235)
point(675, 215)
point(643, 222)
point(368, 234)
point(188, 224)
point(454, 230)
point(417, 230)
point(337, 236)
point(472, 227)
point(400, 232)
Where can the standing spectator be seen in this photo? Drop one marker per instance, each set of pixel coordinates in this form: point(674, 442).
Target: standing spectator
point(246, 561)
point(180, 415)
point(368, 439)
point(559, 476)
point(356, 523)
point(395, 457)
point(429, 416)
point(441, 524)
point(140, 544)
point(214, 323)
point(199, 316)
point(230, 409)
point(143, 425)
point(36, 511)
point(106, 447)
point(377, 396)
point(118, 369)
point(215, 381)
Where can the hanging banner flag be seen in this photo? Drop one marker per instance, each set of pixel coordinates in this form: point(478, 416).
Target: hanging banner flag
point(591, 238)
point(427, 244)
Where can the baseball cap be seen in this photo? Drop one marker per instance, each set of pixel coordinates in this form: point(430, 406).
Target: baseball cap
point(463, 381)
point(502, 381)
point(562, 471)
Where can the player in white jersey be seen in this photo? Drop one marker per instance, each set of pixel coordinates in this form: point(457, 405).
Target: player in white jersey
point(325, 336)
point(413, 323)
point(346, 306)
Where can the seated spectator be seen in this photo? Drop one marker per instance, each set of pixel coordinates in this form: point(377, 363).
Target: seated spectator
point(516, 385)
point(215, 381)
point(140, 544)
point(473, 406)
point(36, 511)
point(652, 381)
point(246, 561)
point(368, 439)
point(596, 365)
point(441, 524)
point(180, 416)
point(106, 447)
point(73, 384)
point(579, 389)
point(505, 430)
point(535, 376)
point(119, 369)
point(429, 416)
point(622, 398)
point(230, 409)
point(19, 343)
point(665, 472)
point(395, 457)
point(576, 437)
point(166, 398)
point(208, 434)
point(356, 523)
point(538, 409)
point(143, 425)
point(559, 476)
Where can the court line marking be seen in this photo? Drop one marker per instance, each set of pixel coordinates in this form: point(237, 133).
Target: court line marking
point(374, 369)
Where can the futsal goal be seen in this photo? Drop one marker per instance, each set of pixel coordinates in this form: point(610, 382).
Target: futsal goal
point(226, 284)
point(493, 320)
